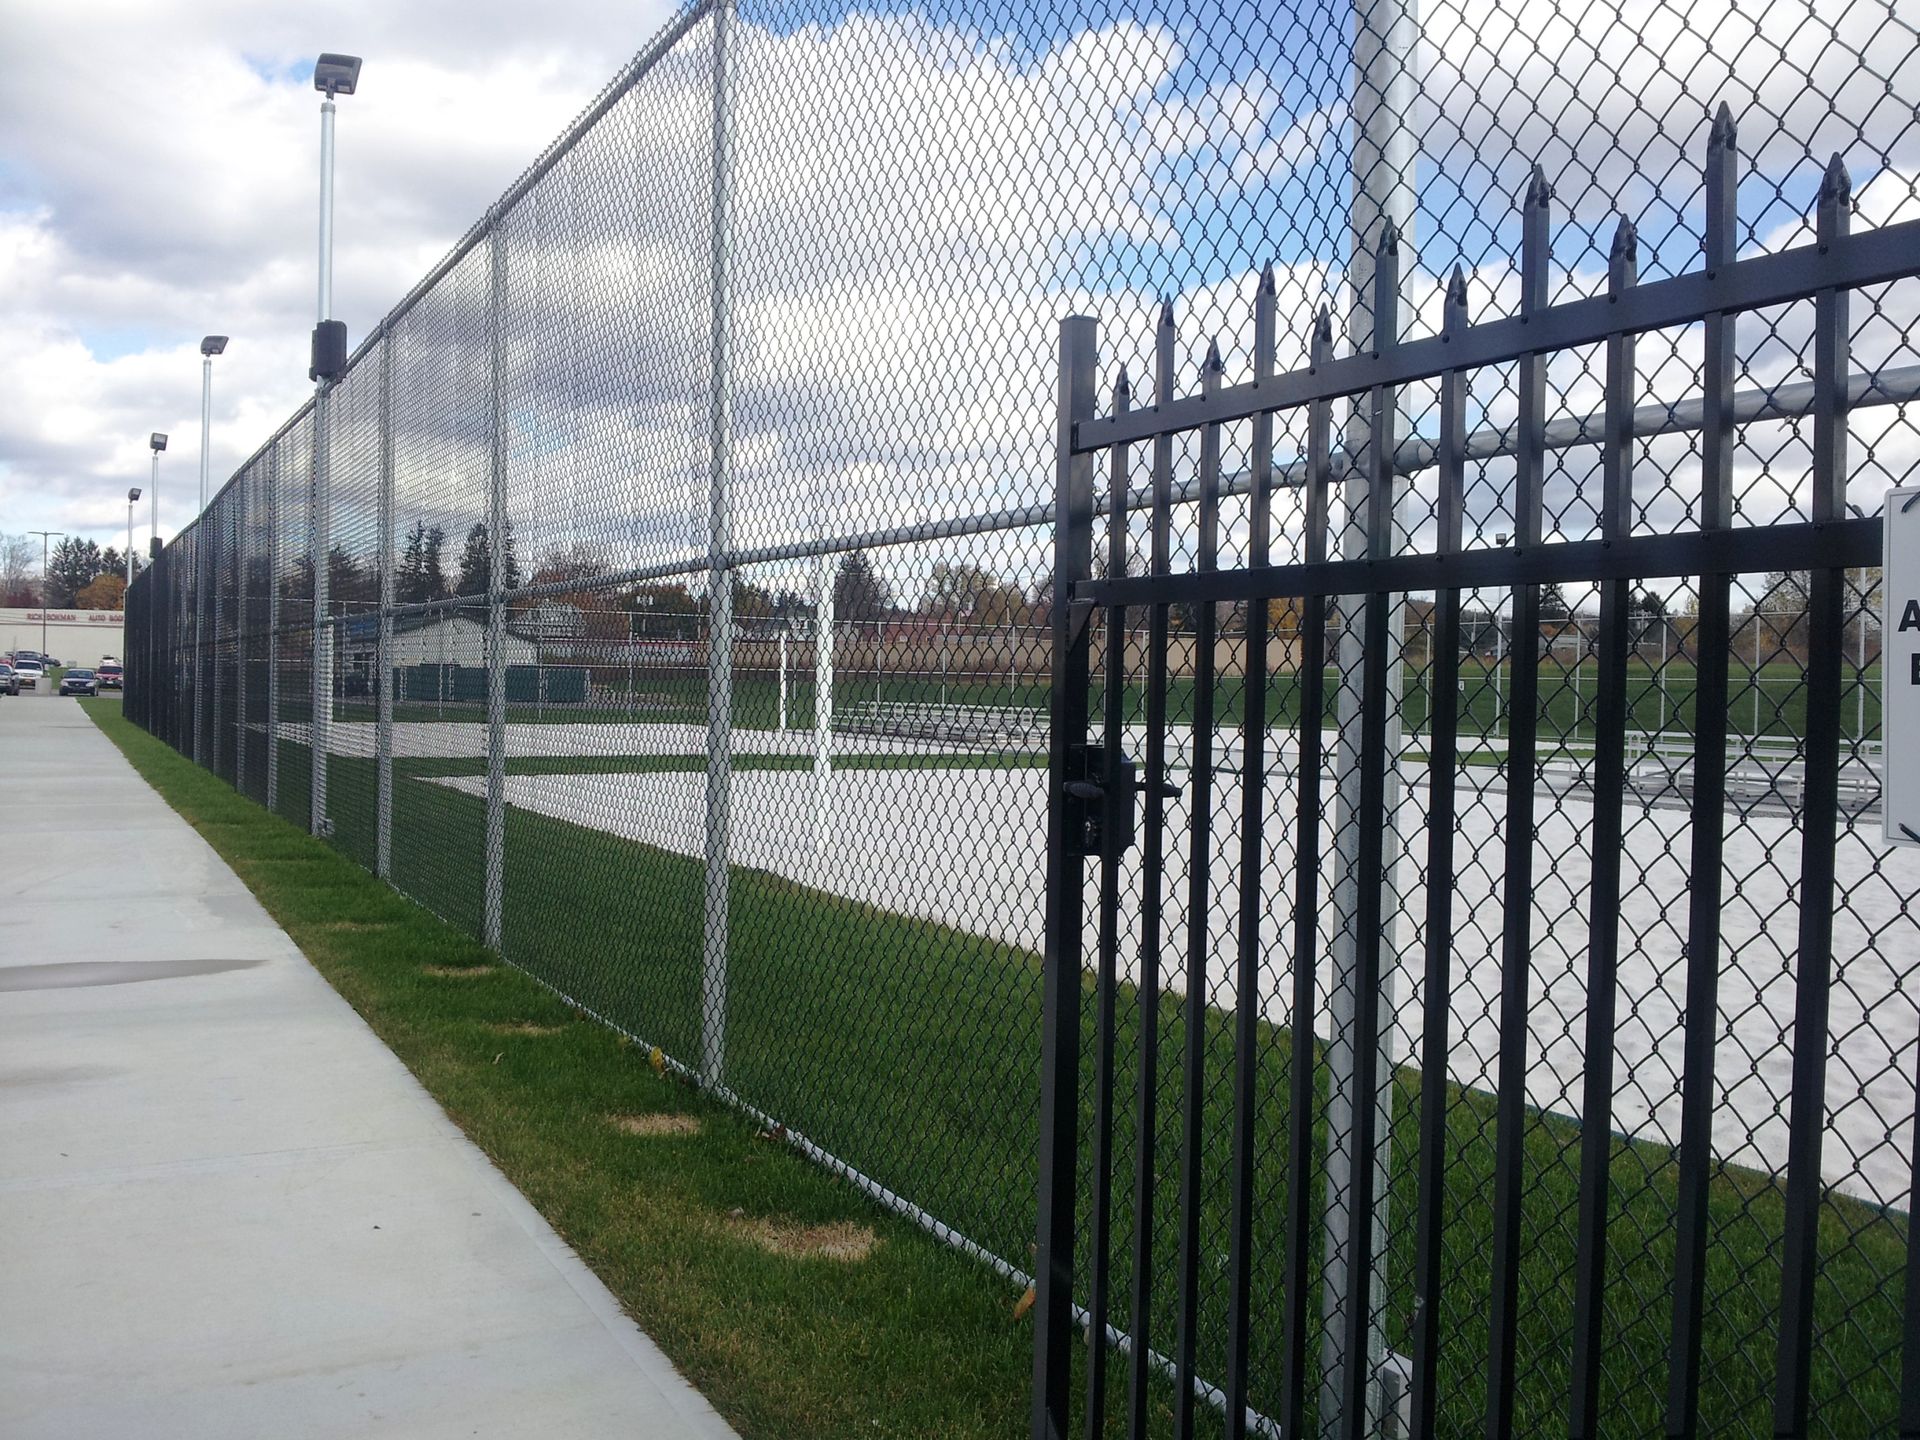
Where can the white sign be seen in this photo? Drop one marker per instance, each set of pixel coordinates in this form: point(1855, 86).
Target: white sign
point(1900, 670)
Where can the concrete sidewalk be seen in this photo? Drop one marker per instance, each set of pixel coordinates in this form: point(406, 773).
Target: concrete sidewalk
point(225, 1208)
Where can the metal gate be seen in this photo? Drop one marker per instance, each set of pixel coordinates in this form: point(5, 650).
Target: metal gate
point(1217, 1227)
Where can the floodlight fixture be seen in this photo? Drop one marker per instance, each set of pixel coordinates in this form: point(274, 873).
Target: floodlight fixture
point(133, 494)
point(156, 442)
point(214, 345)
point(336, 74)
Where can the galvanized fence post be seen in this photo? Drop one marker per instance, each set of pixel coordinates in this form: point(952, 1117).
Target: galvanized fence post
point(383, 680)
point(495, 866)
point(713, 973)
point(1384, 153)
point(823, 623)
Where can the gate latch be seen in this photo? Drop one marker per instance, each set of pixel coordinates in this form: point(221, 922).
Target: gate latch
point(1098, 802)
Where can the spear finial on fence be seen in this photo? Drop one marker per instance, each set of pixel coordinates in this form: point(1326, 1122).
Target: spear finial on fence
point(1724, 133)
point(1122, 388)
point(1623, 259)
point(1539, 188)
point(1266, 278)
point(1166, 312)
point(1453, 313)
point(1836, 186)
point(1213, 364)
point(1320, 347)
point(1836, 201)
point(1386, 288)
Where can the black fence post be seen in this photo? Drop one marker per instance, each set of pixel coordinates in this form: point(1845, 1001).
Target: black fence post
point(1066, 867)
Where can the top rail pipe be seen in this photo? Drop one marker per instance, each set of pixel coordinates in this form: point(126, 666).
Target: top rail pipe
point(1849, 262)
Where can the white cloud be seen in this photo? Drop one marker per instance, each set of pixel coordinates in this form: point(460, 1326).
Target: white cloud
point(917, 205)
point(158, 182)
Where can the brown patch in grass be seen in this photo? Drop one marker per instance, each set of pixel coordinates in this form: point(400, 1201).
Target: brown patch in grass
point(457, 972)
point(655, 1125)
point(847, 1241)
point(525, 1027)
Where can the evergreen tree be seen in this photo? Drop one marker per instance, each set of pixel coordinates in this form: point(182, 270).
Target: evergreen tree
point(72, 567)
point(433, 572)
point(858, 593)
point(410, 577)
point(476, 562)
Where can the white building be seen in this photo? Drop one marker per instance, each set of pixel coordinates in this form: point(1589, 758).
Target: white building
point(447, 637)
point(76, 637)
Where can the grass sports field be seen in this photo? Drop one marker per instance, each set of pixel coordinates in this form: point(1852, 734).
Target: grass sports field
point(1768, 701)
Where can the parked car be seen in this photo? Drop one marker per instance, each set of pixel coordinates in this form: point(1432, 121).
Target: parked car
point(9, 681)
point(29, 672)
point(112, 677)
point(79, 682)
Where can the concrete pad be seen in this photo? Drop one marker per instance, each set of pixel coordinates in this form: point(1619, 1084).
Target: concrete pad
point(226, 1209)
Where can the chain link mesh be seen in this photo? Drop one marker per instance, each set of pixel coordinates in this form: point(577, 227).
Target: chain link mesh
point(759, 363)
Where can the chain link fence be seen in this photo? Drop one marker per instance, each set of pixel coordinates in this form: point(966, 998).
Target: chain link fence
point(663, 593)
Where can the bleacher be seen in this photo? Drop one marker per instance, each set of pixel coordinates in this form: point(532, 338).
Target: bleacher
point(986, 727)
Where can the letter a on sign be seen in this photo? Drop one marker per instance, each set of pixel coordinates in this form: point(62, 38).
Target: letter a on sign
point(1900, 670)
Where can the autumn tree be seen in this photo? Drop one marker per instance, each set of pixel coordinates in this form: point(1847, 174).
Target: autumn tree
point(662, 612)
point(108, 591)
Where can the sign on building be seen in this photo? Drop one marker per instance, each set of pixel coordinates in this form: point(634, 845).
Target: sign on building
point(1900, 670)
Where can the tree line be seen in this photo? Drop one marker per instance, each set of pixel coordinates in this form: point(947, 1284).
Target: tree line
point(79, 574)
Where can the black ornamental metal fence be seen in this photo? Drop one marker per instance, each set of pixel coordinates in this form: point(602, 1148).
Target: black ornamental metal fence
point(1323, 962)
point(667, 593)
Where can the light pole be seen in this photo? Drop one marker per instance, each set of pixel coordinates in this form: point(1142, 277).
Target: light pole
point(132, 495)
point(332, 75)
point(156, 442)
point(211, 346)
point(46, 582)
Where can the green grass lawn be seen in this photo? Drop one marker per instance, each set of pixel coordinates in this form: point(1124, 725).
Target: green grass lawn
point(910, 1050)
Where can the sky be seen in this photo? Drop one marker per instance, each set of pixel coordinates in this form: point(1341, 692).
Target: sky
point(918, 199)
point(158, 182)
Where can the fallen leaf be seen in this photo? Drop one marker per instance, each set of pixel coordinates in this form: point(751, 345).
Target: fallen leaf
point(1023, 1305)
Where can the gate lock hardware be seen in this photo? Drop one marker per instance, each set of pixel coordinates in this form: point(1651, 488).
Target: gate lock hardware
point(1099, 806)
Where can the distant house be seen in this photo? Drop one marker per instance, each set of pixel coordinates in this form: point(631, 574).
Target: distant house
point(550, 622)
point(448, 637)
